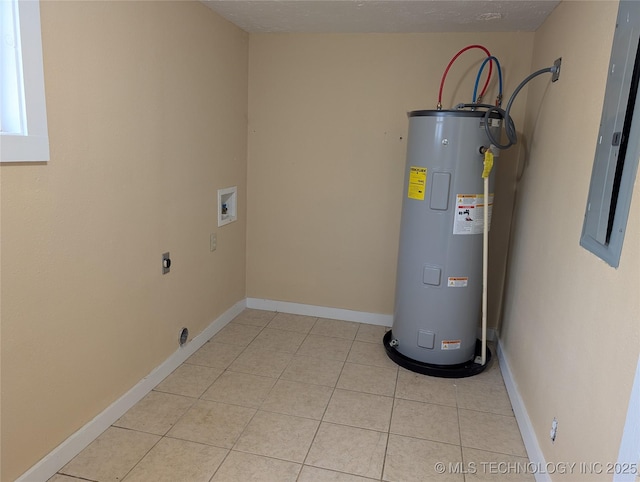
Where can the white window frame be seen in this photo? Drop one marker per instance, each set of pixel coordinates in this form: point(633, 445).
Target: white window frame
point(31, 142)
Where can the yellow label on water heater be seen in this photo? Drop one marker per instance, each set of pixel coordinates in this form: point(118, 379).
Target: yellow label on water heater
point(417, 183)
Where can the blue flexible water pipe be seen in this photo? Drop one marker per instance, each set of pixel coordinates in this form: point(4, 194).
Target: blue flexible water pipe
point(475, 88)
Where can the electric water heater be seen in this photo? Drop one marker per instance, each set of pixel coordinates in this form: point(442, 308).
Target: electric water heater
point(439, 275)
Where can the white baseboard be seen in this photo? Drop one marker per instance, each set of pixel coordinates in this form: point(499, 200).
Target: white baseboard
point(320, 311)
point(522, 417)
point(67, 450)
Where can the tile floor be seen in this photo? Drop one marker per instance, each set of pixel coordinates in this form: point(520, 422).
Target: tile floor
point(277, 397)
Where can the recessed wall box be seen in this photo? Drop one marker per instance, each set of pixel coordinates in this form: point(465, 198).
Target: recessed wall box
point(227, 205)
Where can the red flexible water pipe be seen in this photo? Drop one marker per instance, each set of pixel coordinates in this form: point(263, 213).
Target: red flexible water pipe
point(486, 84)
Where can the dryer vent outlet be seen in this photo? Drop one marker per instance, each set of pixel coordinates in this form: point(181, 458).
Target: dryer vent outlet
point(184, 336)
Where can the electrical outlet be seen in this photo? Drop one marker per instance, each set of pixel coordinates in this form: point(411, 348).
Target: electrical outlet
point(554, 430)
point(213, 242)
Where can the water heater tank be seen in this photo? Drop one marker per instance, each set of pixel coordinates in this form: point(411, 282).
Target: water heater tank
point(439, 275)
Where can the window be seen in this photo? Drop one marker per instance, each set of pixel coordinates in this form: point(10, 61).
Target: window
point(23, 115)
point(618, 149)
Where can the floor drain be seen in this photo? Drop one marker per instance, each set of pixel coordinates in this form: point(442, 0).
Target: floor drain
point(184, 336)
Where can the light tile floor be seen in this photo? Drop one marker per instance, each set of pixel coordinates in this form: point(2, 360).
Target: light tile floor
point(277, 397)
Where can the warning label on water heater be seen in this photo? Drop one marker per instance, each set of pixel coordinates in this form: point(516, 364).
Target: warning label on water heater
point(417, 183)
point(450, 344)
point(469, 213)
point(459, 282)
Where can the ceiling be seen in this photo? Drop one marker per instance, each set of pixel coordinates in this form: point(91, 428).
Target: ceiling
point(384, 16)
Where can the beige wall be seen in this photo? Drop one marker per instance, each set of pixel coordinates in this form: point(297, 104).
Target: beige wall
point(147, 106)
point(570, 328)
point(327, 145)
